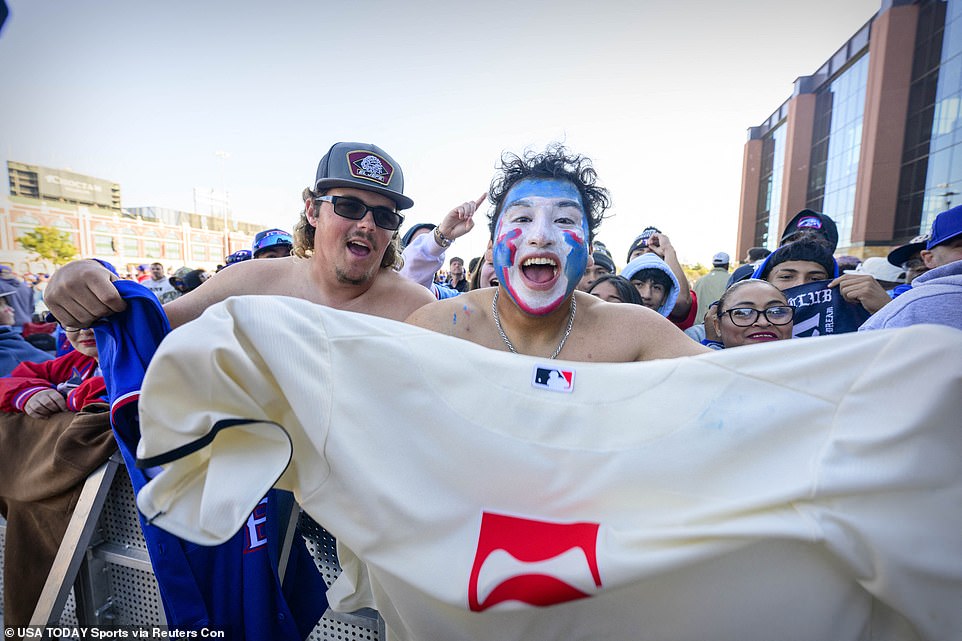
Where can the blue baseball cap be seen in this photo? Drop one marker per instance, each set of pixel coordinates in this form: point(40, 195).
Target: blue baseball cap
point(946, 226)
point(239, 256)
point(269, 238)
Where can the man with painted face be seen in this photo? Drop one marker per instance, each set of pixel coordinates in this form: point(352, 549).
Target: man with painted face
point(547, 207)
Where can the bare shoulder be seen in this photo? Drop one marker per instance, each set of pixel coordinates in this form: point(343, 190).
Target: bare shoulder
point(636, 333)
point(398, 297)
point(273, 276)
point(452, 315)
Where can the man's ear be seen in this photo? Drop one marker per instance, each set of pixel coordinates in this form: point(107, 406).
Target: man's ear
point(310, 212)
point(928, 258)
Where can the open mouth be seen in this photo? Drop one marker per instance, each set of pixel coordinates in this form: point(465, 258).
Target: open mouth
point(359, 248)
point(763, 336)
point(539, 271)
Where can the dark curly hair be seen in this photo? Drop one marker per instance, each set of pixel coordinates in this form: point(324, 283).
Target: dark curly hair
point(304, 237)
point(555, 163)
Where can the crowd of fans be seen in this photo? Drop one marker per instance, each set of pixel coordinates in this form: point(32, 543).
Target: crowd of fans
point(771, 296)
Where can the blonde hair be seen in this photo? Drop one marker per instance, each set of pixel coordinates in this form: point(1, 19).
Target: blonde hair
point(304, 237)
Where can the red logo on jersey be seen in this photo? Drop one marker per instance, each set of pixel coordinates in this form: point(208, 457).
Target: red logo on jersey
point(533, 562)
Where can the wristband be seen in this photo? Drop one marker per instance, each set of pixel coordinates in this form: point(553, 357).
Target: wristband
point(441, 239)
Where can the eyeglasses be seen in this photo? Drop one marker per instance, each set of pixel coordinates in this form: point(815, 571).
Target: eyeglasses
point(913, 263)
point(354, 209)
point(746, 316)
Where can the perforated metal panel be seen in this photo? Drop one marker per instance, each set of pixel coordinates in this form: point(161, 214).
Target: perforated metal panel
point(69, 616)
point(334, 626)
point(122, 561)
point(135, 599)
point(119, 523)
point(118, 558)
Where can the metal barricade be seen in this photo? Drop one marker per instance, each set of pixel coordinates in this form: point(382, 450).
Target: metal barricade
point(104, 560)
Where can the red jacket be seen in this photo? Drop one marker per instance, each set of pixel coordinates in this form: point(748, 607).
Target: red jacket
point(73, 373)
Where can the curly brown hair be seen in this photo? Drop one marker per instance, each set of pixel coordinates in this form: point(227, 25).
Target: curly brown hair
point(555, 163)
point(304, 236)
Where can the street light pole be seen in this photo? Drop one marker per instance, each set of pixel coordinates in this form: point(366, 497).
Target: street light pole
point(223, 156)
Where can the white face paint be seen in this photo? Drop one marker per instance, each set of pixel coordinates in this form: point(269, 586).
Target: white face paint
point(540, 244)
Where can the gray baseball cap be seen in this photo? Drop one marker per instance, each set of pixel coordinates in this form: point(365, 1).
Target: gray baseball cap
point(362, 166)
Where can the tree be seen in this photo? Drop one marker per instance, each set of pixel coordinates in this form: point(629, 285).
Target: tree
point(694, 272)
point(50, 244)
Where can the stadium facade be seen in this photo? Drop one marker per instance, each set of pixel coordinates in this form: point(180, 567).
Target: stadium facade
point(873, 138)
point(89, 210)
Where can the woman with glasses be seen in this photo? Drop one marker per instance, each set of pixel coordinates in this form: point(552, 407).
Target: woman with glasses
point(752, 311)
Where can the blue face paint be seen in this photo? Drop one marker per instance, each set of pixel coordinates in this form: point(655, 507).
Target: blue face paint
point(578, 258)
point(540, 247)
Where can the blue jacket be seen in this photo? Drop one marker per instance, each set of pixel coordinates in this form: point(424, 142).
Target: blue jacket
point(232, 587)
point(21, 300)
point(15, 350)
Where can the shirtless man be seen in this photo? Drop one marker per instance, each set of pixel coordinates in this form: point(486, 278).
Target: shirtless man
point(345, 248)
point(546, 209)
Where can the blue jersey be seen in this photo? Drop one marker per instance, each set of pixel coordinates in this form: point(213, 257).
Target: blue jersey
point(234, 586)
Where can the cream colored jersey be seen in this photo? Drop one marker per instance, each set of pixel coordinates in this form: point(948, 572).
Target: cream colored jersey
point(801, 490)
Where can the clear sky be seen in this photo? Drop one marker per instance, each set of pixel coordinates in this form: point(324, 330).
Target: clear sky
point(659, 93)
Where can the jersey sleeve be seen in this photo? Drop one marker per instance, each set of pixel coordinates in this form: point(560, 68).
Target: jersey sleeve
point(888, 487)
point(218, 418)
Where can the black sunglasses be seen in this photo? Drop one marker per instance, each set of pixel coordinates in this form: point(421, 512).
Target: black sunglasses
point(354, 209)
point(745, 316)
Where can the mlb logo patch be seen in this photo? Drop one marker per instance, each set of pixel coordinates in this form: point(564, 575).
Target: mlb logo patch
point(554, 379)
point(810, 222)
point(370, 166)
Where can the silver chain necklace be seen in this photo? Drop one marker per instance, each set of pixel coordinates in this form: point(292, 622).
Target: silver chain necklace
point(504, 337)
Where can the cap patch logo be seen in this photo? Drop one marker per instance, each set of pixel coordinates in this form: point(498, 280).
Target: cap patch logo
point(370, 166)
point(554, 379)
point(531, 562)
point(811, 222)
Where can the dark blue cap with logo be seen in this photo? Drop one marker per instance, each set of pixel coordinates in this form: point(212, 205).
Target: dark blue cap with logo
point(814, 223)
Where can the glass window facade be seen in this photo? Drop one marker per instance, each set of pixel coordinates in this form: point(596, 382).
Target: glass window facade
point(104, 244)
point(130, 246)
point(931, 175)
point(943, 184)
point(836, 145)
point(770, 187)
